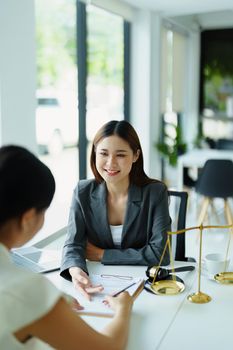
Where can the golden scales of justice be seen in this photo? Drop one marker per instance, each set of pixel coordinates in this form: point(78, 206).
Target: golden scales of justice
point(174, 285)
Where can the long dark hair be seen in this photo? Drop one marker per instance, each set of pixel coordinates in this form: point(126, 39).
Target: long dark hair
point(124, 130)
point(25, 183)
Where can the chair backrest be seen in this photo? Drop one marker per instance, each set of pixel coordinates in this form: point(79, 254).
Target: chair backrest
point(224, 144)
point(216, 179)
point(177, 210)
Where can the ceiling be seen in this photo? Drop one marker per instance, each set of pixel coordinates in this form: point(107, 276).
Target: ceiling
point(183, 7)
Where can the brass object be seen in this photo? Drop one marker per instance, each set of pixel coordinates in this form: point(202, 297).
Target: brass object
point(168, 287)
point(224, 277)
point(173, 285)
point(199, 298)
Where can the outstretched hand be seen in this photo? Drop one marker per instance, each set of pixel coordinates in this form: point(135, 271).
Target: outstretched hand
point(82, 283)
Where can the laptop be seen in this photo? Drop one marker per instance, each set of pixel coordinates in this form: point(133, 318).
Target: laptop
point(44, 256)
point(37, 260)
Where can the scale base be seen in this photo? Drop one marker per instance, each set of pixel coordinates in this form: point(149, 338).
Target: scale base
point(199, 298)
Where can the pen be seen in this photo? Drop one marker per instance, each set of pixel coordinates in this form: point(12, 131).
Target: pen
point(122, 290)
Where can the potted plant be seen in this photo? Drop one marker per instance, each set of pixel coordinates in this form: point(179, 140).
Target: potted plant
point(172, 145)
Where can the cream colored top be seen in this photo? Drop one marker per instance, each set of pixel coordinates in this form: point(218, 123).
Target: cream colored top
point(24, 298)
point(116, 231)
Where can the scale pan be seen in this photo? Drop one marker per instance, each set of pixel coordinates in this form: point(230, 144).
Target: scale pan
point(224, 277)
point(168, 286)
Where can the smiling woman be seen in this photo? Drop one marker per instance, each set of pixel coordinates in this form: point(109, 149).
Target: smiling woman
point(122, 199)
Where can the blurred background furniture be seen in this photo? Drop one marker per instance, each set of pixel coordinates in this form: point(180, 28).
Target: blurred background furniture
point(196, 159)
point(178, 210)
point(215, 181)
point(226, 144)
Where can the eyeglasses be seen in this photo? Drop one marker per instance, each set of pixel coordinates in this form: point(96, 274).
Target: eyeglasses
point(126, 278)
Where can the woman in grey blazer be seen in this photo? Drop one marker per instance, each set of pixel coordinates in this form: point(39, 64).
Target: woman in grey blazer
point(121, 216)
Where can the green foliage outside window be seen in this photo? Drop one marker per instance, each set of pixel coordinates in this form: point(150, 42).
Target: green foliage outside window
point(56, 43)
point(55, 37)
point(105, 48)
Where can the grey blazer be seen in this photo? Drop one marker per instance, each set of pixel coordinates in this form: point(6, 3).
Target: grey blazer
point(144, 230)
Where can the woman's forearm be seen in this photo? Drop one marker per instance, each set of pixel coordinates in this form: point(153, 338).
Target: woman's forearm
point(148, 255)
point(118, 329)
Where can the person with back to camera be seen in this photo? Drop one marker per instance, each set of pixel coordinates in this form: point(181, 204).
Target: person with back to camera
point(119, 218)
point(33, 313)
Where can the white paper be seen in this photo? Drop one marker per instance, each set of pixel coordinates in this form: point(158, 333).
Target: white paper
point(112, 284)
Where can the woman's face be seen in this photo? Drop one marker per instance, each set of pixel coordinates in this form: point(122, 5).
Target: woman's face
point(114, 159)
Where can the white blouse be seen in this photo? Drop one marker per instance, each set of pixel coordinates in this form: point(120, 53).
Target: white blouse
point(116, 232)
point(24, 298)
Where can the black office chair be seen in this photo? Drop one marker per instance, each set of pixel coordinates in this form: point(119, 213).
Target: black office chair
point(178, 209)
point(226, 144)
point(215, 181)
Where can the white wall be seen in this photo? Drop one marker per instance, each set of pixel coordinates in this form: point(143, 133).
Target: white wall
point(17, 73)
point(145, 85)
point(192, 70)
point(192, 111)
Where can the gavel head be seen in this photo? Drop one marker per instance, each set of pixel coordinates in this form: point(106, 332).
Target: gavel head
point(153, 271)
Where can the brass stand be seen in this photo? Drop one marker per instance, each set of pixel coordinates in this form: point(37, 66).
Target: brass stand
point(199, 297)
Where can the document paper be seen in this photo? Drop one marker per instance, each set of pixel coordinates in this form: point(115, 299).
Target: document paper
point(112, 284)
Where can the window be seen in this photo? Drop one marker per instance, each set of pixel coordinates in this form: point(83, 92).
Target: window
point(65, 27)
point(216, 83)
point(105, 67)
point(57, 111)
point(173, 63)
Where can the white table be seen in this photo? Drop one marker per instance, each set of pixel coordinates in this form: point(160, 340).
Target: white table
point(197, 158)
point(152, 315)
point(171, 322)
point(205, 326)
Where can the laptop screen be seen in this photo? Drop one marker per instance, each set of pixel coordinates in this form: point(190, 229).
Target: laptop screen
point(43, 257)
point(37, 260)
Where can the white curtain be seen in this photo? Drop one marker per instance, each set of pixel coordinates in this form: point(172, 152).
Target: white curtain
point(173, 70)
point(164, 69)
point(178, 72)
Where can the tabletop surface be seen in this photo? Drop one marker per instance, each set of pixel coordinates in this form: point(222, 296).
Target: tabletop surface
point(152, 315)
point(198, 157)
point(203, 326)
point(170, 322)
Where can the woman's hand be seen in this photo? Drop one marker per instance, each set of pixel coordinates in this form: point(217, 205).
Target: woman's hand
point(94, 253)
point(82, 282)
point(121, 303)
